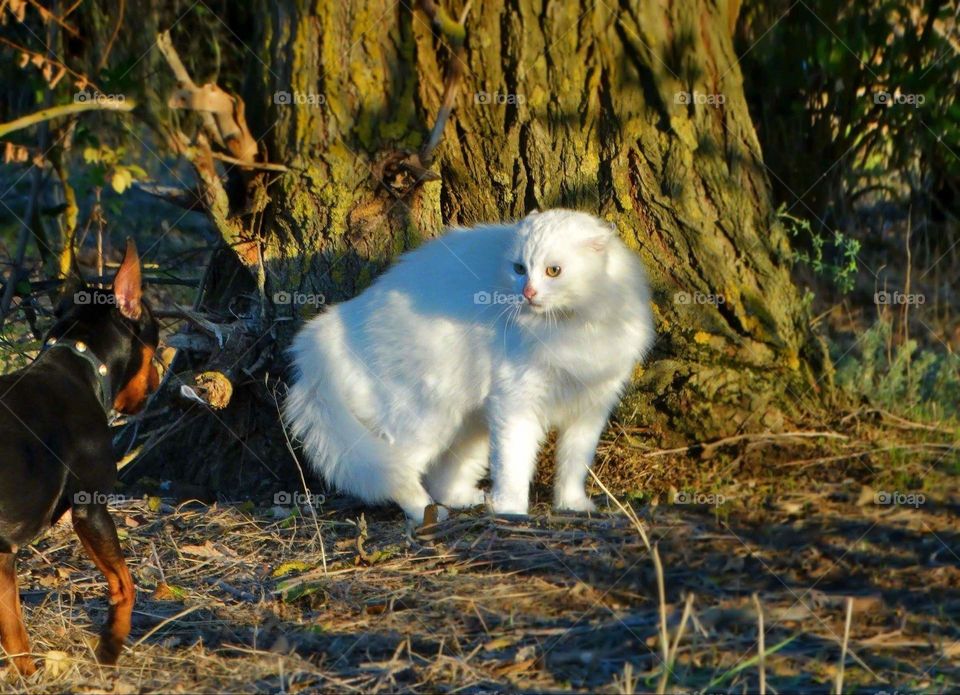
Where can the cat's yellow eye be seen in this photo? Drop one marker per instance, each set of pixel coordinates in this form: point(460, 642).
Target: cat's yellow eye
point(553, 271)
point(519, 269)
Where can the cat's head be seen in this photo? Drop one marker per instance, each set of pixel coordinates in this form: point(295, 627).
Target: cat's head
point(559, 261)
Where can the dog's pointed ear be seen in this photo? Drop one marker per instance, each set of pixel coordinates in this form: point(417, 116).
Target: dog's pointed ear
point(127, 285)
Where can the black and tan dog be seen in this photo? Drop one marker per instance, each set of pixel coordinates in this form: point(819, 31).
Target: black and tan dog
point(55, 443)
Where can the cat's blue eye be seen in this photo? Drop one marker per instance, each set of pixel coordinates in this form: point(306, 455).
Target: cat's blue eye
point(519, 269)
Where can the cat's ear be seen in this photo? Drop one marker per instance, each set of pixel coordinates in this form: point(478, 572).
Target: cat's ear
point(601, 236)
point(533, 213)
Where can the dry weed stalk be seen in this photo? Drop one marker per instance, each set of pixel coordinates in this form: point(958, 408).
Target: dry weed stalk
point(661, 587)
point(846, 641)
point(761, 646)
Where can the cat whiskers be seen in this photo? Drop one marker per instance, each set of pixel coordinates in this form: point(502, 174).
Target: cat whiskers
point(503, 311)
point(512, 311)
point(506, 323)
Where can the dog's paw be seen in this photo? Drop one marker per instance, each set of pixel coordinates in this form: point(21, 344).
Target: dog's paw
point(25, 666)
point(108, 651)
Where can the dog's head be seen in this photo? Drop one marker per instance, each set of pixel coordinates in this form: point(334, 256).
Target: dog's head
point(118, 327)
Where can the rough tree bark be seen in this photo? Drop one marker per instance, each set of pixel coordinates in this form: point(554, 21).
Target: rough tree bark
point(563, 104)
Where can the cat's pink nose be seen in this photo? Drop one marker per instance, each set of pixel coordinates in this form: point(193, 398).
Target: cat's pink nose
point(529, 292)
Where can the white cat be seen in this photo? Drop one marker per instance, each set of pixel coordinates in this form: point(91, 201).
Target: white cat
point(468, 351)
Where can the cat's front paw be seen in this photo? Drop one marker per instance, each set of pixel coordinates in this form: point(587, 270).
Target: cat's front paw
point(508, 505)
point(464, 498)
point(574, 503)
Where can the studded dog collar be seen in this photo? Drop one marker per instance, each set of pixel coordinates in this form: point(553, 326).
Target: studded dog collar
point(100, 370)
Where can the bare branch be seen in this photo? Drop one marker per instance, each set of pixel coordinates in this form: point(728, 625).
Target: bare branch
point(265, 166)
point(66, 110)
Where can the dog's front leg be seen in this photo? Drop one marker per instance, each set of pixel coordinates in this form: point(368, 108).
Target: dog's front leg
point(95, 528)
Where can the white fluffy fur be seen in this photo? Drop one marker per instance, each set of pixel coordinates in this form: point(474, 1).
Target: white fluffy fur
point(409, 390)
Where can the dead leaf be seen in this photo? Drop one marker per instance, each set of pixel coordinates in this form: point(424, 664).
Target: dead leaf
point(169, 592)
point(431, 515)
point(56, 663)
point(293, 566)
point(514, 668)
point(208, 98)
point(205, 550)
point(18, 8)
point(867, 495)
point(375, 608)
point(499, 643)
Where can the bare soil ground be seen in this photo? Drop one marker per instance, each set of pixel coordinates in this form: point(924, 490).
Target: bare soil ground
point(237, 598)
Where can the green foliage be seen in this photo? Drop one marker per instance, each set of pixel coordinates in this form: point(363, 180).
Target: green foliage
point(902, 378)
point(841, 272)
point(107, 168)
point(17, 347)
point(854, 99)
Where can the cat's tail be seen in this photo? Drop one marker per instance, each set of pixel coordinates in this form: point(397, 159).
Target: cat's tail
point(340, 447)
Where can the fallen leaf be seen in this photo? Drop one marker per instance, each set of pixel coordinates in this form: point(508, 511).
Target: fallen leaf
point(205, 550)
point(293, 566)
point(866, 497)
point(514, 668)
point(169, 592)
point(131, 522)
point(56, 663)
point(499, 643)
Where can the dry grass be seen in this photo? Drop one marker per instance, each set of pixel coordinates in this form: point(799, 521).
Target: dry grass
point(236, 597)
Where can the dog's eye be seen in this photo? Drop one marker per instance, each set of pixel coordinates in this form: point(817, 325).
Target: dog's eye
point(553, 271)
point(519, 269)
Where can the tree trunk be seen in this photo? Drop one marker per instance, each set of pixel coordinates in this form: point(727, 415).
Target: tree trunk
point(634, 112)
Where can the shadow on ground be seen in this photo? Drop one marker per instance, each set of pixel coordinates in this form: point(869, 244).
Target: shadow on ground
point(237, 598)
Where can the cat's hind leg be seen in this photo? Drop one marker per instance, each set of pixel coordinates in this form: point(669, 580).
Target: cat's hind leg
point(376, 473)
point(452, 479)
point(413, 498)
